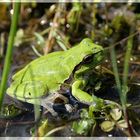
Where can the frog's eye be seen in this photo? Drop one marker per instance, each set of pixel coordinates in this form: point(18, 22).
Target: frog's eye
point(87, 59)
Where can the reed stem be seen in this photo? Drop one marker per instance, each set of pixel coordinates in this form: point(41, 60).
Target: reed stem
point(7, 63)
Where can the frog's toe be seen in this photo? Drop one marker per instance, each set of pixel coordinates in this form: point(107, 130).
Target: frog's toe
point(53, 113)
point(69, 108)
point(49, 108)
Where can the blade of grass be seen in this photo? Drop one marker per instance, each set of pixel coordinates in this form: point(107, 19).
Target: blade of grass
point(126, 61)
point(37, 113)
point(118, 83)
point(116, 73)
point(125, 81)
point(123, 88)
point(7, 63)
point(126, 67)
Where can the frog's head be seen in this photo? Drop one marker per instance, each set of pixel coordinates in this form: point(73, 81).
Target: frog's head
point(93, 53)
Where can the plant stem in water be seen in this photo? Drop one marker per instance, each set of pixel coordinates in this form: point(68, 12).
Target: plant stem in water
point(7, 63)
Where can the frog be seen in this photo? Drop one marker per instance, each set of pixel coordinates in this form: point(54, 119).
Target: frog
point(40, 81)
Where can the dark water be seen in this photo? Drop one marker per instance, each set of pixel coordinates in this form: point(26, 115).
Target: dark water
point(22, 124)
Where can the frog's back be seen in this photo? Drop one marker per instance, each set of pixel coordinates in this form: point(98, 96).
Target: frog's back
point(55, 67)
point(46, 74)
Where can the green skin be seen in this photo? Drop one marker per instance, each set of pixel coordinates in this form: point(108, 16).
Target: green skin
point(45, 75)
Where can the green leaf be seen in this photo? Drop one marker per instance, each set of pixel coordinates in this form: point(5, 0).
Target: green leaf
point(19, 37)
point(42, 128)
point(84, 114)
point(98, 86)
point(116, 114)
point(107, 126)
point(40, 39)
point(60, 41)
point(9, 111)
point(82, 126)
point(122, 124)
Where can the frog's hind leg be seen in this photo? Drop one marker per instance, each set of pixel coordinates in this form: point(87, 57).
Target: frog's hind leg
point(47, 102)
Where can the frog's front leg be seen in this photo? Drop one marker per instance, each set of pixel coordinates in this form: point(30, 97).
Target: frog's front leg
point(84, 97)
point(47, 102)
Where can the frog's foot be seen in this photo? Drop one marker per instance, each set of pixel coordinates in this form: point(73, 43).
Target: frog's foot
point(47, 102)
point(97, 103)
point(70, 108)
point(49, 107)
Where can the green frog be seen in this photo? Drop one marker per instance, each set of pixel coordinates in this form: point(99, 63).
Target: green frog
point(41, 80)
